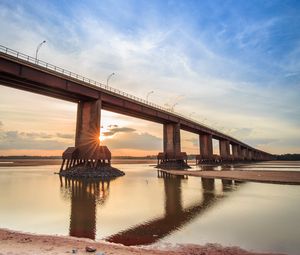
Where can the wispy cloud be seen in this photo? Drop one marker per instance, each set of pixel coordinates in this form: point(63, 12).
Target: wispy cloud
point(236, 64)
point(21, 140)
point(114, 129)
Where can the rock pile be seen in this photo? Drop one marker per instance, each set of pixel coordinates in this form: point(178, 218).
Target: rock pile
point(102, 172)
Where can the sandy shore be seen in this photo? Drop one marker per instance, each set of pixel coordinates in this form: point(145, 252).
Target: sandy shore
point(13, 242)
point(280, 177)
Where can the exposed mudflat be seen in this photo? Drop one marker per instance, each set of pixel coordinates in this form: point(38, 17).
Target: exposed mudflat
point(13, 243)
point(281, 177)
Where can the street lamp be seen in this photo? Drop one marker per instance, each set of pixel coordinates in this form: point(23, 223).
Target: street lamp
point(37, 50)
point(172, 107)
point(148, 94)
point(108, 78)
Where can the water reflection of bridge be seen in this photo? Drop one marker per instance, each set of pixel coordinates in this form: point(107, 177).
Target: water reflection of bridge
point(86, 195)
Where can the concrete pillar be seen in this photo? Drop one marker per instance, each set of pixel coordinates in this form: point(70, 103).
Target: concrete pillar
point(240, 153)
point(235, 151)
point(172, 139)
point(224, 149)
point(88, 128)
point(206, 146)
point(244, 153)
point(250, 154)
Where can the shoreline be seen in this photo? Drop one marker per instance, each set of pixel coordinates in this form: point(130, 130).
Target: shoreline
point(15, 243)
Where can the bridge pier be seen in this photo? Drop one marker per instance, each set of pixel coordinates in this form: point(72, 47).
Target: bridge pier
point(88, 129)
point(244, 153)
point(236, 152)
point(172, 157)
point(206, 149)
point(88, 158)
point(224, 150)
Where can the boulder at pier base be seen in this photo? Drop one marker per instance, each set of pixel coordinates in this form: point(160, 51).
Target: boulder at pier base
point(175, 162)
point(76, 164)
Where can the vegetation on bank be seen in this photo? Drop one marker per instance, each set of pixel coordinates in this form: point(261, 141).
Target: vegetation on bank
point(288, 157)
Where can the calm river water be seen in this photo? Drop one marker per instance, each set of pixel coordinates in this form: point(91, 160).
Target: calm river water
point(142, 209)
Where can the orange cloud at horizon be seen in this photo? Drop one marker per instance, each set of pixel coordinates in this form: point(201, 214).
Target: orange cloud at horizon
point(44, 153)
point(31, 152)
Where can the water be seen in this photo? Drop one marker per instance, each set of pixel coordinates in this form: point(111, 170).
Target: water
point(141, 209)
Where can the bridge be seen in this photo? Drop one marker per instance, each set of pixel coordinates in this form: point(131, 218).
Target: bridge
point(21, 71)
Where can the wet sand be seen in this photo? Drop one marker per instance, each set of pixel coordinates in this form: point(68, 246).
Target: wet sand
point(13, 243)
point(280, 177)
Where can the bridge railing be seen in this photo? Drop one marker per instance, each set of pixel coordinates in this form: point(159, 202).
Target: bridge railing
point(79, 77)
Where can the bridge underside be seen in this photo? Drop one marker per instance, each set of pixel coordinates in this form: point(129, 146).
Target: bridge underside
point(22, 75)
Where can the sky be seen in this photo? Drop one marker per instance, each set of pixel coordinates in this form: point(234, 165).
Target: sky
point(233, 65)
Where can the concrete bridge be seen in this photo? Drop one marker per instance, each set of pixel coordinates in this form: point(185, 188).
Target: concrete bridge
point(23, 72)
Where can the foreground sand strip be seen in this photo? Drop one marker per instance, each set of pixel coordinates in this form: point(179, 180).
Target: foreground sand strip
point(15, 243)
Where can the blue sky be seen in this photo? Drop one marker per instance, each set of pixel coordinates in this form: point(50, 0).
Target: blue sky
point(232, 64)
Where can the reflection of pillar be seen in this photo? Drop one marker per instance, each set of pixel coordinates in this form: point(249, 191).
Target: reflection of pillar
point(224, 149)
point(206, 146)
point(227, 185)
point(88, 128)
point(84, 197)
point(83, 211)
point(172, 139)
point(173, 203)
point(208, 184)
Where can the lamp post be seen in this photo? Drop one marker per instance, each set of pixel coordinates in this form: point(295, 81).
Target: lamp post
point(37, 50)
point(108, 78)
point(148, 94)
point(172, 107)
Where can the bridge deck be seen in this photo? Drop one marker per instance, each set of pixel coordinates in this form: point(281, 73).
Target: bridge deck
point(281, 177)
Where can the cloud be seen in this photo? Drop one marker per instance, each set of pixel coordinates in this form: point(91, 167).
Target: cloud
point(134, 140)
point(224, 66)
point(114, 129)
point(256, 142)
point(241, 133)
point(194, 141)
point(22, 140)
point(33, 135)
point(65, 136)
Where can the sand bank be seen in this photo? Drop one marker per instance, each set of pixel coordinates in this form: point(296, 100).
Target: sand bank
point(13, 242)
point(280, 177)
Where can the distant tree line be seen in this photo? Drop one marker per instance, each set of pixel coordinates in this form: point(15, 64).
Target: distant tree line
point(288, 157)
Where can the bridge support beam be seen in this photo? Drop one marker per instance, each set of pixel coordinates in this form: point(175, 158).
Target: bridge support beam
point(224, 149)
point(249, 154)
point(171, 138)
point(206, 148)
point(236, 152)
point(87, 153)
point(88, 128)
point(172, 157)
point(244, 153)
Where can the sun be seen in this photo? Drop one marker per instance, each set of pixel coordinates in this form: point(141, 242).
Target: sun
point(102, 137)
